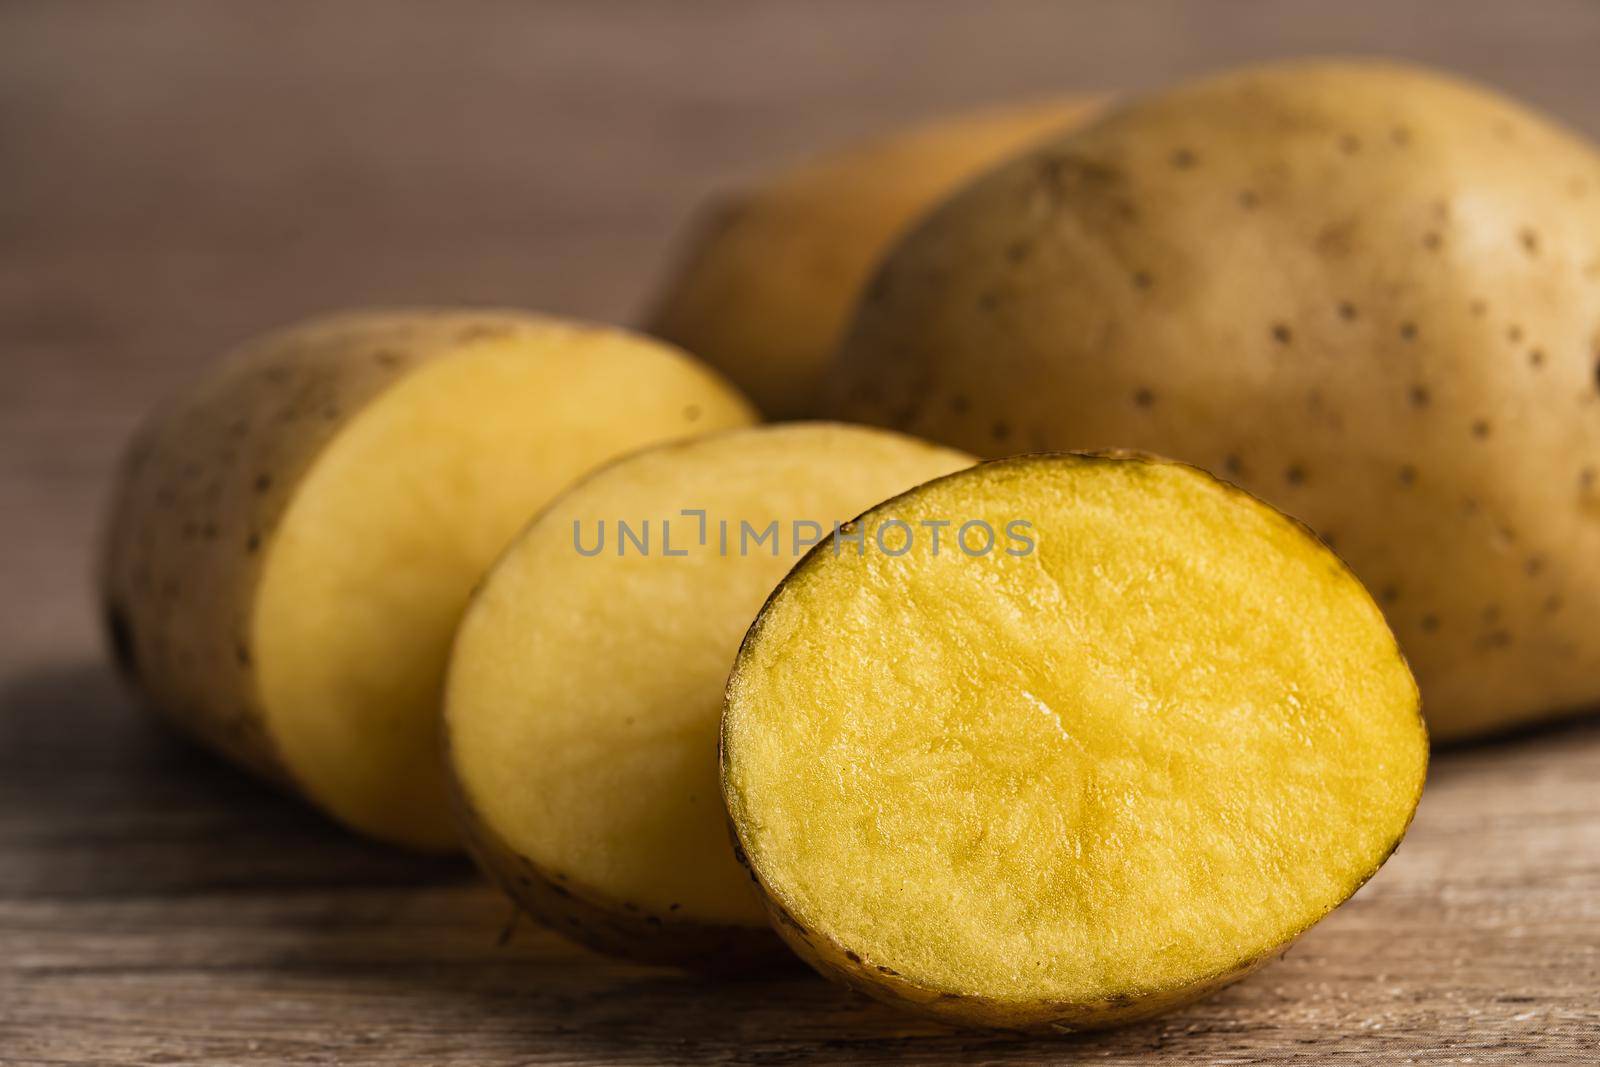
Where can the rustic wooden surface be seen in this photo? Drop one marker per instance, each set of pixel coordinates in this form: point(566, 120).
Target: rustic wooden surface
point(175, 176)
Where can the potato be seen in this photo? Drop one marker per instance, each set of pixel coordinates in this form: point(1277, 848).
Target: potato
point(584, 692)
point(1072, 772)
point(293, 539)
point(771, 272)
point(1366, 292)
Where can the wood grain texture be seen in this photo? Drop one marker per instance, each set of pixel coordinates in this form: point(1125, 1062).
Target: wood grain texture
point(175, 176)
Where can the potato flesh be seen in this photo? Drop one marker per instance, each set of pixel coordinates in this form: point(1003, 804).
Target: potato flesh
point(1150, 752)
point(585, 692)
point(374, 558)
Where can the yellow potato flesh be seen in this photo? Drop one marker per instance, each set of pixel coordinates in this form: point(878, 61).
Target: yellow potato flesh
point(1140, 757)
point(377, 552)
point(585, 691)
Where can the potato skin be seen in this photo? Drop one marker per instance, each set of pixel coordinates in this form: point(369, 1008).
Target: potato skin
point(1367, 293)
point(847, 967)
point(206, 483)
point(201, 489)
point(770, 272)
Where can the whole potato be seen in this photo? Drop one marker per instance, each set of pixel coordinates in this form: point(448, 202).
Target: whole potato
point(772, 271)
point(1366, 292)
point(294, 538)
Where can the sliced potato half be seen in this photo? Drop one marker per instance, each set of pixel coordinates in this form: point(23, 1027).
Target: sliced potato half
point(295, 537)
point(1075, 781)
point(586, 683)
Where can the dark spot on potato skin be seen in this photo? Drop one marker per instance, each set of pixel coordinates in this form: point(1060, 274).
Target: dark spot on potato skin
point(241, 655)
point(691, 413)
point(1295, 474)
point(1347, 311)
point(1018, 251)
point(1536, 357)
point(1144, 397)
point(1478, 308)
point(1349, 144)
point(1408, 475)
point(1430, 623)
point(1534, 566)
point(1529, 239)
point(1432, 241)
point(1400, 136)
point(1514, 333)
point(1281, 333)
point(1232, 464)
point(252, 544)
point(1249, 199)
point(263, 482)
point(1408, 331)
point(1142, 280)
point(1389, 594)
point(1480, 428)
point(1184, 159)
point(1421, 397)
point(1000, 431)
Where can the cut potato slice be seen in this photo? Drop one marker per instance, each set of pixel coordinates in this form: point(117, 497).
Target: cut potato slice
point(586, 684)
point(295, 538)
point(1074, 781)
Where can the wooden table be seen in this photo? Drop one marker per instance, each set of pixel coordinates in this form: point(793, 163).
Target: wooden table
point(175, 176)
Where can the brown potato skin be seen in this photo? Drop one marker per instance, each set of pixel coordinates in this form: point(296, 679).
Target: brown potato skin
point(844, 965)
point(203, 487)
point(1367, 293)
point(769, 272)
point(177, 594)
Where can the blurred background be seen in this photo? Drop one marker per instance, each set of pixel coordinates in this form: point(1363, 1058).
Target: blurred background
point(175, 176)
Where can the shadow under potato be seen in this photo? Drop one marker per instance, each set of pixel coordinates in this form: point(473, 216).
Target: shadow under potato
point(130, 806)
